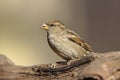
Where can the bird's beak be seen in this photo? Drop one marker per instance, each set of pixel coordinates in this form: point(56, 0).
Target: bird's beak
point(44, 27)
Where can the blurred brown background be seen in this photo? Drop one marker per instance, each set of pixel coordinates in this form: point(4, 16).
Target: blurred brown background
point(97, 21)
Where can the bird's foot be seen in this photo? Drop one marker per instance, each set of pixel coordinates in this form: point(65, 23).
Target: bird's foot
point(56, 64)
point(72, 61)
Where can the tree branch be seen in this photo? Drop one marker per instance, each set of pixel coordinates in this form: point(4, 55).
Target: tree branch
point(97, 66)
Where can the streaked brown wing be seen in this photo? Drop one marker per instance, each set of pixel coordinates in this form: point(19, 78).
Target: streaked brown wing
point(75, 38)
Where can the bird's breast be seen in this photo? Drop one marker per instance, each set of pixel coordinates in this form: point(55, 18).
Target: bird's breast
point(67, 47)
point(63, 44)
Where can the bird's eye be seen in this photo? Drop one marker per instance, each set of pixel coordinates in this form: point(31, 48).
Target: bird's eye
point(51, 25)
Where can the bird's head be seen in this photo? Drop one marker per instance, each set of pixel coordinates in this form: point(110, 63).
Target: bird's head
point(53, 26)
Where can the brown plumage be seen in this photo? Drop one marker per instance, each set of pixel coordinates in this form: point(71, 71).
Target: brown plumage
point(75, 38)
point(64, 42)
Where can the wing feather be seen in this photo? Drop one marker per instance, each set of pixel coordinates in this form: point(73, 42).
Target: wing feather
point(75, 38)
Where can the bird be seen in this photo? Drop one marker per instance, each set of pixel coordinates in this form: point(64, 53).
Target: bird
point(65, 42)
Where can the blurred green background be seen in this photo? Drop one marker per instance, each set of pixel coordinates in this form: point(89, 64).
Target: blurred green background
point(98, 22)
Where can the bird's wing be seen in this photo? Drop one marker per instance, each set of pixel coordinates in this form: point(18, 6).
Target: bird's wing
point(75, 38)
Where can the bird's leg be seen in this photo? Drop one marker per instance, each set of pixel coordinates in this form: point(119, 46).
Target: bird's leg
point(72, 61)
point(54, 65)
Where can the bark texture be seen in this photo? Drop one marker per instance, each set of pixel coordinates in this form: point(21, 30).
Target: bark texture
point(98, 66)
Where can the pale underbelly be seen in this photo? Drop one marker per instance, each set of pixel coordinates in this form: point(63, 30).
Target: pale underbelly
point(68, 48)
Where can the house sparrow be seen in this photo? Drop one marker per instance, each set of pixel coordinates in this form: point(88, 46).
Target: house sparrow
point(64, 42)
